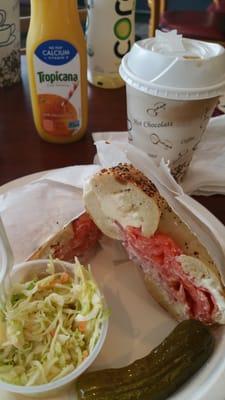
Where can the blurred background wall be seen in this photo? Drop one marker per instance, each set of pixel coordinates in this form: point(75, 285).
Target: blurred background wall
point(142, 12)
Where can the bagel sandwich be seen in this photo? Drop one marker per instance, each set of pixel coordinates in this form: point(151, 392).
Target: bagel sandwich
point(178, 270)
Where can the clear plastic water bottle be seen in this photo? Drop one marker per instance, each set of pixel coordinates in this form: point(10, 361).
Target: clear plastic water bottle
point(110, 34)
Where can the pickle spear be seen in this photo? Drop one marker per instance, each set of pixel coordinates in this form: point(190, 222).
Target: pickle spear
point(157, 375)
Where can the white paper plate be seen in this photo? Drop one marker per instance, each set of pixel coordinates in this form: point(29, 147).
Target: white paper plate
point(137, 323)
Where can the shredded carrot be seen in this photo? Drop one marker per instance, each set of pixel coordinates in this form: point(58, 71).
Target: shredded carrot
point(64, 278)
point(48, 285)
point(85, 354)
point(82, 326)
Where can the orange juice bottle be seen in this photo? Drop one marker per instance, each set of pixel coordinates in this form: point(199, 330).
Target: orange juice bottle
point(57, 69)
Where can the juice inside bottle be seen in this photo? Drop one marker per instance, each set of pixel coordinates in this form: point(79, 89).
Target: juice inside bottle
point(57, 68)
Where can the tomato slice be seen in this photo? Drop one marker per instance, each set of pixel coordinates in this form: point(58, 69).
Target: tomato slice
point(85, 238)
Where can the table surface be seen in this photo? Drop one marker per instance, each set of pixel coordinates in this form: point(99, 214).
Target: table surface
point(23, 152)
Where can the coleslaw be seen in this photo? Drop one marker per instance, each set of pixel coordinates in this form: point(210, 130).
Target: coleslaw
point(49, 325)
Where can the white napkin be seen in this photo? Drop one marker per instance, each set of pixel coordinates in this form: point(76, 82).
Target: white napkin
point(206, 173)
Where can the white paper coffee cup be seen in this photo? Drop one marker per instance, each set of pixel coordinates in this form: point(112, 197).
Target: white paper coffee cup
point(169, 129)
point(171, 95)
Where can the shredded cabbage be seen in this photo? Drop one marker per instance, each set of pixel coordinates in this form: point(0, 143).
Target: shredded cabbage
point(49, 326)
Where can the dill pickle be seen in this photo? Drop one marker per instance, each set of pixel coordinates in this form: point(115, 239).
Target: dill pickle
point(157, 375)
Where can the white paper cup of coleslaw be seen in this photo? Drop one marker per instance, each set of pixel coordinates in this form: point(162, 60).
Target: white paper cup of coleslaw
point(27, 271)
point(173, 85)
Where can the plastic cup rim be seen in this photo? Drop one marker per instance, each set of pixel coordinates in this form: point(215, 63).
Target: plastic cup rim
point(175, 93)
point(65, 380)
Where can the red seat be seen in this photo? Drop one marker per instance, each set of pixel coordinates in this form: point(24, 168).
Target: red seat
point(204, 25)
